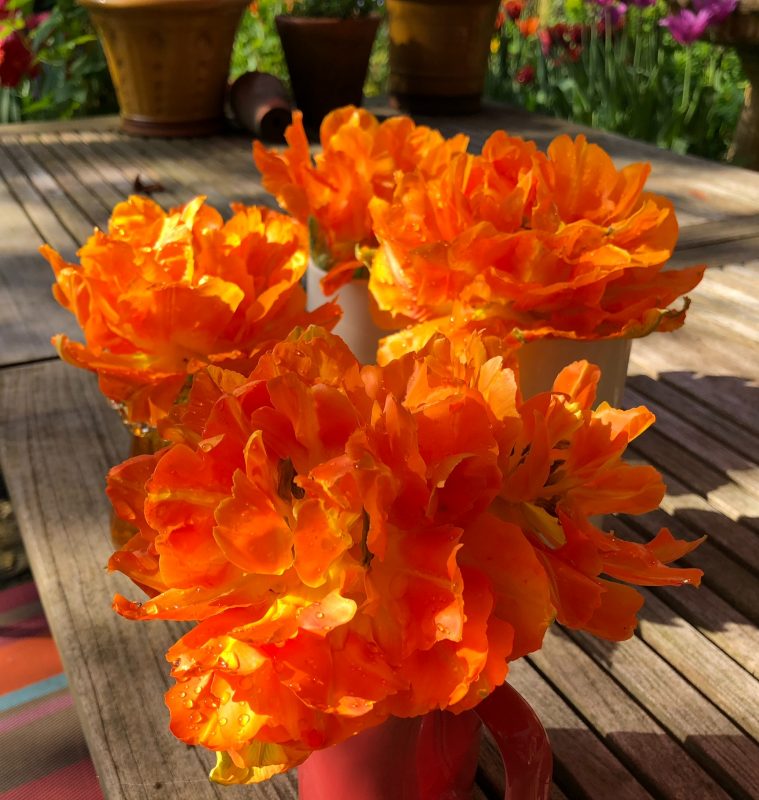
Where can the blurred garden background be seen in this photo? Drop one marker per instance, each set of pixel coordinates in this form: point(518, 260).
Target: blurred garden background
point(642, 68)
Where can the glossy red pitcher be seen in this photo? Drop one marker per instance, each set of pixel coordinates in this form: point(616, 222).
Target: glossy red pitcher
point(434, 757)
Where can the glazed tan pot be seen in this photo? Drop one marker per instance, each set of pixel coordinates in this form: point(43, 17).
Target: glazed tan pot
point(439, 53)
point(169, 61)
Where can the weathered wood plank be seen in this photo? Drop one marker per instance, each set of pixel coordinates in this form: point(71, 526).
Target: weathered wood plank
point(744, 226)
point(48, 187)
point(69, 155)
point(184, 173)
point(684, 436)
point(227, 167)
point(698, 476)
point(707, 734)
point(583, 766)
point(28, 312)
point(727, 577)
point(65, 172)
point(715, 618)
point(656, 760)
point(124, 165)
point(106, 122)
point(41, 215)
point(729, 432)
point(698, 660)
point(717, 255)
point(106, 177)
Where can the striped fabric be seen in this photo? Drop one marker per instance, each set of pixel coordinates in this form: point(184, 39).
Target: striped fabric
point(43, 755)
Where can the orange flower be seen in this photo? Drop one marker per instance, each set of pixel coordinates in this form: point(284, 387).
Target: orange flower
point(529, 26)
point(563, 246)
point(565, 467)
point(359, 160)
point(160, 295)
point(362, 542)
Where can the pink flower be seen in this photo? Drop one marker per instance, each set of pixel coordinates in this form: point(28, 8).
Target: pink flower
point(687, 26)
point(718, 10)
point(35, 20)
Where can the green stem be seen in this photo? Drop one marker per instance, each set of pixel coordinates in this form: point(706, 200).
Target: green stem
point(686, 79)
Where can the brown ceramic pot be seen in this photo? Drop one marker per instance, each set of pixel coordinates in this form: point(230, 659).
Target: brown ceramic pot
point(169, 61)
point(327, 59)
point(439, 53)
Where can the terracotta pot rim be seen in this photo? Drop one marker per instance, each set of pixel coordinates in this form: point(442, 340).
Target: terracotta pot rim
point(188, 5)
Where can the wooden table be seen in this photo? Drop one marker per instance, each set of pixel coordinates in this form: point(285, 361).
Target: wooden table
point(673, 713)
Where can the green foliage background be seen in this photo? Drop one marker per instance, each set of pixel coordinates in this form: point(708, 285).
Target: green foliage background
point(636, 81)
point(73, 79)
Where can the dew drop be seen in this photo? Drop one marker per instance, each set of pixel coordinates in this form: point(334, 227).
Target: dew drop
point(226, 697)
point(189, 703)
point(183, 694)
point(319, 615)
point(222, 720)
point(243, 719)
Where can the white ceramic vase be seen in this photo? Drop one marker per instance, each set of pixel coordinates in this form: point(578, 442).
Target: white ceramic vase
point(540, 361)
point(356, 327)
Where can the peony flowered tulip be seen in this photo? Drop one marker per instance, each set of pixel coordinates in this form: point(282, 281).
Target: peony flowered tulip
point(687, 26)
point(359, 542)
point(528, 246)
point(160, 295)
point(359, 160)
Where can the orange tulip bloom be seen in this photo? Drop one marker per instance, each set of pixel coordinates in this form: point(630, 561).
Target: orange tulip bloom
point(359, 160)
point(357, 542)
point(162, 294)
point(564, 246)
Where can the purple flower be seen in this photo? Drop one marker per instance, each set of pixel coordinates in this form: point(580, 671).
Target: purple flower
point(719, 10)
point(685, 26)
point(617, 14)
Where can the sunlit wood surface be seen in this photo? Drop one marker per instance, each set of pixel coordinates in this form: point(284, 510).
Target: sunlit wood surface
point(673, 713)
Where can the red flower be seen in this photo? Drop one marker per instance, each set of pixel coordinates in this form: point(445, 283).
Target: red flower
point(514, 9)
point(16, 60)
point(525, 75)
